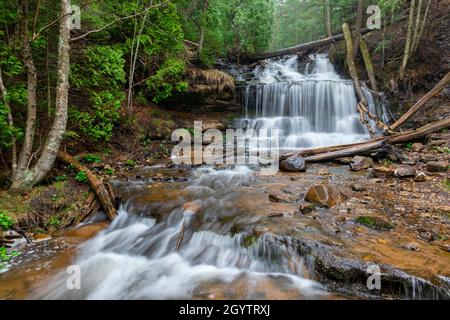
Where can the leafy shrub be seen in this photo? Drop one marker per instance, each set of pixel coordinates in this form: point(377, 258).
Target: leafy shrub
point(92, 158)
point(130, 163)
point(101, 76)
point(6, 221)
point(81, 177)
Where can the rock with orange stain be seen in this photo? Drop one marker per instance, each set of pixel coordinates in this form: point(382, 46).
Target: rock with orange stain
point(324, 195)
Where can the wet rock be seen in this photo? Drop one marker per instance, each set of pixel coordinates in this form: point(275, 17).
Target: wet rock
point(358, 187)
point(347, 160)
point(361, 163)
point(417, 147)
point(445, 247)
point(191, 208)
point(437, 166)
point(307, 208)
point(294, 163)
point(428, 158)
point(409, 160)
point(323, 172)
point(405, 172)
point(411, 246)
point(324, 195)
point(280, 198)
point(374, 223)
point(383, 172)
point(275, 215)
point(428, 236)
point(421, 177)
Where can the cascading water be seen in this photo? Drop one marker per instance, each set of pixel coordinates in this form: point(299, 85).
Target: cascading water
point(315, 108)
point(137, 257)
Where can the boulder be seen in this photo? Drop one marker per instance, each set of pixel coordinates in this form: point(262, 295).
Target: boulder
point(324, 195)
point(294, 163)
point(405, 172)
point(437, 166)
point(417, 147)
point(361, 163)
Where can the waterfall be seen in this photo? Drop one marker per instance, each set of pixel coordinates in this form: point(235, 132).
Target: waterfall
point(313, 108)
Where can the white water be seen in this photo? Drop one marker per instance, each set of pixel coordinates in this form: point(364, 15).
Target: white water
point(136, 257)
point(315, 108)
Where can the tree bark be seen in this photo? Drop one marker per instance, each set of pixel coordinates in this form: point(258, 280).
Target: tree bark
point(358, 25)
point(416, 26)
point(369, 66)
point(409, 32)
point(328, 23)
point(422, 27)
point(351, 64)
point(336, 152)
point(11, 126)
point(97, 185)
point(22, 176)
point(202, 27)
point(422, 102)
point(56, 135)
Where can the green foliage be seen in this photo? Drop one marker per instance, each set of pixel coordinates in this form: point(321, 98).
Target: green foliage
point(54, 222)
point(130, 163)
point(409, 146)
point(167, 80)
point(447, 184)
point(61, 178)
point(442, 149)
point(6, 221)
point(102, 76)
point(91, 158)
point(5, 256)
point(109, 171)
point(81, 177)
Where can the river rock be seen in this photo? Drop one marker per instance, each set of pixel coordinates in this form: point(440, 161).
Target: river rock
point(411, 246)
point(428, 158)
point(280, 198)
point(361, 163)
point(191, 208)
point(428, 236)
point(294, 163)
point(383, 172)
point(417, 147)
point(437, 166)
point(307, 208)
point(405, 172)
point(358, 187)
point(324, 195)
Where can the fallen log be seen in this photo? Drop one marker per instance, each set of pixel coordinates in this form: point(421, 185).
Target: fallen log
point(336, 152)
point(96, 184)
point(302, 47)
point(422, 102)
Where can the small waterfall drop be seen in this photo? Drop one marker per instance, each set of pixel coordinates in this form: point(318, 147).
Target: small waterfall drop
point(315, 108)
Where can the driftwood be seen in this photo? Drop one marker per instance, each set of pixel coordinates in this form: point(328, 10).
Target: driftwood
point(336, 152)
point(422, 102)
point(181, 236)
point(368, 63)
point(96, 184)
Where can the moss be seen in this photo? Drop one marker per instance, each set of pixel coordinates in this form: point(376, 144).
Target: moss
point(374, 223)
point(250, 241)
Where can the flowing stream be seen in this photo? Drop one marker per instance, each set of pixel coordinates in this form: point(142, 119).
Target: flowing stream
point(196, 238)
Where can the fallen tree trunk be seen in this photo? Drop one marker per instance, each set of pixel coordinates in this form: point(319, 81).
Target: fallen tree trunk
point(422, 102)
point(96, 184)
point(336, 152)
point(302, 47)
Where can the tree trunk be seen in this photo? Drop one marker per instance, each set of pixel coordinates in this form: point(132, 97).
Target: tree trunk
point(422, 27)
point(362, 148)
point(416, 26)
point(22, 176)
point(202, 27)
point(56, 135)
point(328, 23)
point(422, 102)
point(407, 52)
point(351, 64)
point(369, 66)
point(11, 126)
point(358, 26)
point(97, 185)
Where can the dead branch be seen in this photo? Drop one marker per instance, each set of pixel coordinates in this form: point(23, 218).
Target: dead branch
point(422, 102)
point(96, 184)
